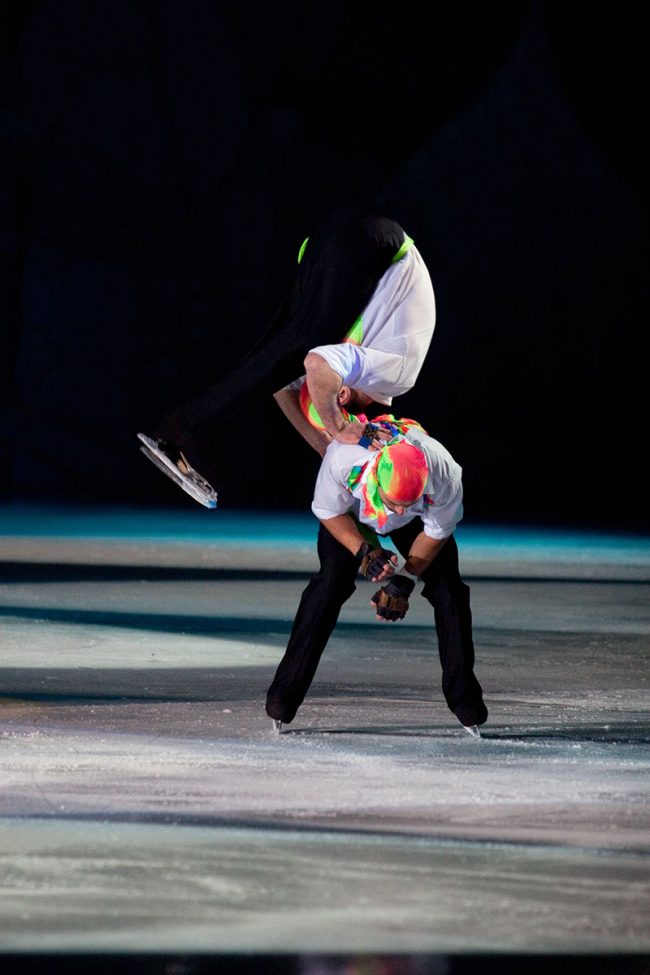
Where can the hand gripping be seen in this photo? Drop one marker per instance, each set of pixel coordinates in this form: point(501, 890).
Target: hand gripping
point(392, 600)
point(372, 561)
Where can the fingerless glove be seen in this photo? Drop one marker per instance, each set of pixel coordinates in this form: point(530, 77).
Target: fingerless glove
point(392, 600)
point(373, 560)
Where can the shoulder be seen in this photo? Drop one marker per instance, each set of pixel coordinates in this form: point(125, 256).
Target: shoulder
point(427, 443)
point(439, 460)
point(342, 457)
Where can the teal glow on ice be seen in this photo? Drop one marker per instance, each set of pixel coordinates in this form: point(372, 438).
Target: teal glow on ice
point(287, 529)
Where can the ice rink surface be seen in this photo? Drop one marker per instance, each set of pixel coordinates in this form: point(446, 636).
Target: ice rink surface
point(152, 821)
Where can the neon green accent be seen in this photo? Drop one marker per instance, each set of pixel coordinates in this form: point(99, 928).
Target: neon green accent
point(355, 335)
point(314, 417)
point(315, 420)
point(367, 533)
point(302, 249)
point(408, 243)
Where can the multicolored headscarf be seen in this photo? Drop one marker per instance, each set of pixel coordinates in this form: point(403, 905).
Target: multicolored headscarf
point(309, 410)
point(387, 420)
point(402, 425)
point(399, 469)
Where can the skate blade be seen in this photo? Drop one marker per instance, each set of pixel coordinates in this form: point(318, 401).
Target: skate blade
point(208, 500)
point(277, 726)
point(472, 729)
point(200, 489)
point(192, 475)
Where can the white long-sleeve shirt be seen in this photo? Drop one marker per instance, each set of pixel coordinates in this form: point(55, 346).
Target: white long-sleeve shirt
point(384, 350)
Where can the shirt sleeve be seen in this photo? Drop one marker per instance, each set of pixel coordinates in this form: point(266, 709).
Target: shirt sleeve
point(363, 368)
point(343, 358)
point(443, 495)
point(441, 521)
point(331, 495)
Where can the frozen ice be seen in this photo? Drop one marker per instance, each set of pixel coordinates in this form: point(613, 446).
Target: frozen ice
point(148, 804)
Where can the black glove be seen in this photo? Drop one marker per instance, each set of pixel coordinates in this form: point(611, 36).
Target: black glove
point(372, 561)
point(392, 600)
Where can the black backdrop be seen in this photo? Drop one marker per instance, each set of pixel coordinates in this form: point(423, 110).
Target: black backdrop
point(162, 161)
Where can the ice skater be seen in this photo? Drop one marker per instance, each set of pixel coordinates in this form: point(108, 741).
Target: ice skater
point(409, 490)
point(360, 314)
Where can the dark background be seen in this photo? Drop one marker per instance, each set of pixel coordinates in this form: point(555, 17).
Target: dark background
point(160, 163)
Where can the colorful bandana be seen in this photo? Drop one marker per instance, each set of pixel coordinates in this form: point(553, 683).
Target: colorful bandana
point(399, 469)
point(309, 410)
point(403, 425)
point(387, 420)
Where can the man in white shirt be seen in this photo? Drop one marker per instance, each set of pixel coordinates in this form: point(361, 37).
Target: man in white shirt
point(410, 490)
point(379, 359)
point(362, 285)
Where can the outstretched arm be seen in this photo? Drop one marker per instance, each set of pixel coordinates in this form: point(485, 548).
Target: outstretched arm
point(422, 553)
point(324, 386)
point(289, 403)
point(345, 530)
point(391, 602)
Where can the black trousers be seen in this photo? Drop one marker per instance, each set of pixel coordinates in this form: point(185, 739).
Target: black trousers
point(321, 604)
point(343, 262)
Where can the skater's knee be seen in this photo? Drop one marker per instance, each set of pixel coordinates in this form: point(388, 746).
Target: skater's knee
point(338, 577)
point(445, 590)
point(344, 590)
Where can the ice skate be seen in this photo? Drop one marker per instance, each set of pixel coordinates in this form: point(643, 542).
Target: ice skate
point(180, 472)
point(277, 726)
point(473, 730)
